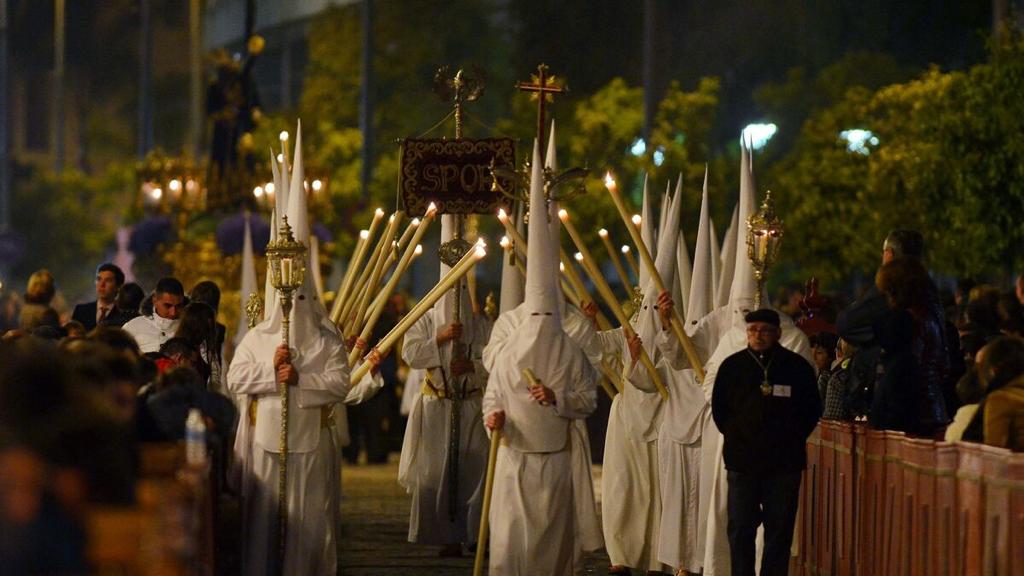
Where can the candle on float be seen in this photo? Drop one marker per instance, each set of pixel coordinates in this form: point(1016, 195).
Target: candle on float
point(345, 290)
point(590, 265)
point(385, 293)
point(659, 284)
point(286, 271)
point(283, 137)
point(423, 306)
point(614, 257)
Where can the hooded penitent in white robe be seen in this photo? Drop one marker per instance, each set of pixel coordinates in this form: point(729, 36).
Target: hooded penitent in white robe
point(533, 518)
point(313, 483)
point(425, 469)
point(630, 494)
point(685, 415)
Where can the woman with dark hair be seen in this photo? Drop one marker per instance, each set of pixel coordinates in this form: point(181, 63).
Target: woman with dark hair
point(914, 365)
point(126, 306)
point(198, 327)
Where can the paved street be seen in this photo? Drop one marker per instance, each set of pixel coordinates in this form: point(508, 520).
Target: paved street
point(375, 515)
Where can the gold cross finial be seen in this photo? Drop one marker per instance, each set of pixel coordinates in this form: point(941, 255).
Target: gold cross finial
point(542, 87)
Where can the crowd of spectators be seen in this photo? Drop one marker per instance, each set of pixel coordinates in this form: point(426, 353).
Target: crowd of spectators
point(908, 356)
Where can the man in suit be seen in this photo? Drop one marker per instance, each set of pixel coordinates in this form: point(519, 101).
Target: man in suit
point(109, 279)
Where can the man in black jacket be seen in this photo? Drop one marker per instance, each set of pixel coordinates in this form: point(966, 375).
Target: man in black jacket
point(766, 404)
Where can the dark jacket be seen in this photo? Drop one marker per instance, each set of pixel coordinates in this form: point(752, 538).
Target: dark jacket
point(765, 435)
point(912, 372)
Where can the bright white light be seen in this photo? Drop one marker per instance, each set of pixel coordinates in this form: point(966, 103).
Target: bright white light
point(659, 156)
point(578, 256)
point(504, 242)
point(269, 187)
point(858, 139)
point(638, 147)
point(283, 136)
point(317, 185)
point(175, 185)
point(757, 135)
point(602, 233)
point(418, 250)
point(257, 191)
point(625, 249)
point(157, 193)
point(280, 158)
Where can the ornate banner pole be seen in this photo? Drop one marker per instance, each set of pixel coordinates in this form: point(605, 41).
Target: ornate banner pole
point(286, 264)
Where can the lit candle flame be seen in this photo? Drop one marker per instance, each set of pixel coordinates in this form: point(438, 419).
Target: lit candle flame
point(502, 215)
point(379, 213)
point(269, 188)
point(625, 249)
point(415, 222)
point(280, 158)
point(283, 136)
point(175, 185)
point(602, 233)
point(480, 252)
point(317, 185)
point(579, 256)
point(504, 242)
point(561, 267)
point(563, 215)
point(364, 234)
point(257, 191)
point(637, 219)
point(609, 181)
point(431, 209)
point(418, 250)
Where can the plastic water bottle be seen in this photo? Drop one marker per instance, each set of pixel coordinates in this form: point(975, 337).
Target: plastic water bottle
point(195, 438)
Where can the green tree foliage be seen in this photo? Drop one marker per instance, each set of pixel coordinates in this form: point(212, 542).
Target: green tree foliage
point(68, 222)
point(949, 162)
point(605, 126)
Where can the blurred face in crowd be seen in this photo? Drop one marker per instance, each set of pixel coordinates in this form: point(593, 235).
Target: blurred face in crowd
point(821, 358)
point(106, 286)
point(167, 305)
point(761, 336)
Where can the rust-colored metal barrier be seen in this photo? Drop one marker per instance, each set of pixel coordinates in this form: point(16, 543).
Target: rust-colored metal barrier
point(879, 503)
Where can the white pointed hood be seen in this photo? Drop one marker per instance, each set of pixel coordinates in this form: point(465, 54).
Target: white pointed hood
point(666, 202)
point(744, 285)
point(309, 320)
point(511, 280)
point(727, 260)
point(248, 285)
point(702, 296)
point(551, 163)
point(541, 259)
point(540, 343)
point(648, 324)
point(268, 289)
point(684, 267)
point(716, 262)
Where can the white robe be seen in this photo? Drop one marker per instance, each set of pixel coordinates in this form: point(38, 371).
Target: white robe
point(630, 492)
point(533, 530)
point(423, 468)
point(679, 462)
point(313, 490)
point(579, 329)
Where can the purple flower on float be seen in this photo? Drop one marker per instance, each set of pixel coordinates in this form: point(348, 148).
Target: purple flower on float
point(150, 233)
point(231, 230)
point(322, 233)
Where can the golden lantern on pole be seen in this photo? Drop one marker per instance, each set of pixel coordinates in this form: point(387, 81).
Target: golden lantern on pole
point(764, 235)
point(286, 265)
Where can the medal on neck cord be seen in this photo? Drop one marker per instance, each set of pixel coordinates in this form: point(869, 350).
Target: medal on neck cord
point(766, 388)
